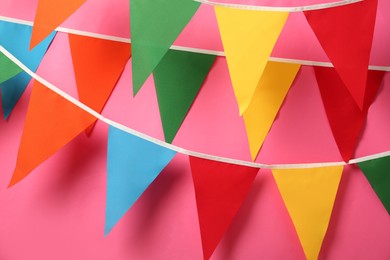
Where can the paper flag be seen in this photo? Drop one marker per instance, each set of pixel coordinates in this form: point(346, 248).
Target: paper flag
point(155, 25)
point(346, 34)
point(377, 173)
point(132, 165)
point(266, 102)
point(51, 122)
point(345, 118)
point(49, 15)
point(309, 195)
point(178, 78)
point(248, 37)
point(15, 38)
point(8, 69)
point(97, 64)
point(220, 189)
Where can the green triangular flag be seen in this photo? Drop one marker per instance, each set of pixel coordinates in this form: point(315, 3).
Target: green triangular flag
point(178, 78)
point(155, 25)
point(378, 175)
point(8, 68)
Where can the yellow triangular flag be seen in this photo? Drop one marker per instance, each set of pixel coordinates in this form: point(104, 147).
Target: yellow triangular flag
point(248, 38)
point(267, 99)
point(309, 196)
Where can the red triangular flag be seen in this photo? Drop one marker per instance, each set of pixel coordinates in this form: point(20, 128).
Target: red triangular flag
point(345, 118)
point(346, 33)
point(97, 64)
point(49, 15)
point(51, 122)
point(220, 189)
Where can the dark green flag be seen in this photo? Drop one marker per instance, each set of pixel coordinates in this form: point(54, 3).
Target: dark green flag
point(8, 68)
point(155, 25)
point(377, 172)
point(178, 78)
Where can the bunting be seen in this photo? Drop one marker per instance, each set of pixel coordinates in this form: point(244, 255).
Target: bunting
point(266, 102)
point(132, 165)
point(98, 64)
point(178, 78)
point(346, 33)
point(155, 25)
point(51, 122)
point(309, 195)
point(377, 173)
point(49, 15)
point(220, 189)
point(248, 37)
point(345, 118)
point(8, 69)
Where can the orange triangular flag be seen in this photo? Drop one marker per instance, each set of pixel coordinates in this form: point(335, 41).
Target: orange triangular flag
point(97, 64)
point(51, 122)
point(51, 14)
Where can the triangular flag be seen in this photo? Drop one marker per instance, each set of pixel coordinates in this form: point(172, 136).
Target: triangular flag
point(8, 68)
point(346, 33)
point(155, 25)
point(345, 118)
point(51, 14)
point(266, 102)
point(377, 173)
point(178, 78)
point(248, 38)
point(51, 122)
point(220, 189)
point(132, 165)
point(97, 64)
point(15, 38)
point(309, 195)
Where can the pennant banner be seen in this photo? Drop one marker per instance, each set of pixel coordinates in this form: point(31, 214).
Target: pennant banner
point(155, 25)
point(220, 189)
point(309, 195)
point(51, 122)
point(178, 78)
point(248, 38)
point(346, 34)
point(98, 65)
point(266, 102)
point(49, 15)
point(8, 69)
point(132, 165)
point(377, 173)
point(345, 118)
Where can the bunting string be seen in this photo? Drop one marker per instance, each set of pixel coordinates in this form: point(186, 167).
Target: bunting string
point(176, 148)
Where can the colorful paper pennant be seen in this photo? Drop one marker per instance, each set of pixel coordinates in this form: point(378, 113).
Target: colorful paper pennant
point(309, 195)
point(266, 102)
point(132, 165)
point(345, 118)
point(49, 15)
point(98, 64)
point(220, 189)
point(154, 27)
point(51, 122)
point(15, 38)
point(346, 34)
point(248, 37)
point(178, 78)
point(8, 68)
point(377, 173)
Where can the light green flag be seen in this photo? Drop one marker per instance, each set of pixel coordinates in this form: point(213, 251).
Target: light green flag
point(8, 68)
point(155, 25)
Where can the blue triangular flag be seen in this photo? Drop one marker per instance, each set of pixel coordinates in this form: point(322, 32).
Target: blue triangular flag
point(16, 39)
point(132, 165)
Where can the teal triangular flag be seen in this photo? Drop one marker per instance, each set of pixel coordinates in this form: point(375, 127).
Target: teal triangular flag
point(155, 24)
point(178, 78)
point(8, 68)
point(378, 175)
point(16, 39)
point(132, 165)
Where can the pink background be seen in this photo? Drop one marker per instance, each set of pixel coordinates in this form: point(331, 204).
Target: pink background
point(57, 212)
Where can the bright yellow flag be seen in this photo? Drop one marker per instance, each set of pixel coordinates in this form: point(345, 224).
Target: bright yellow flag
point(309, 196)
point(248, 38)
point(266, 102)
